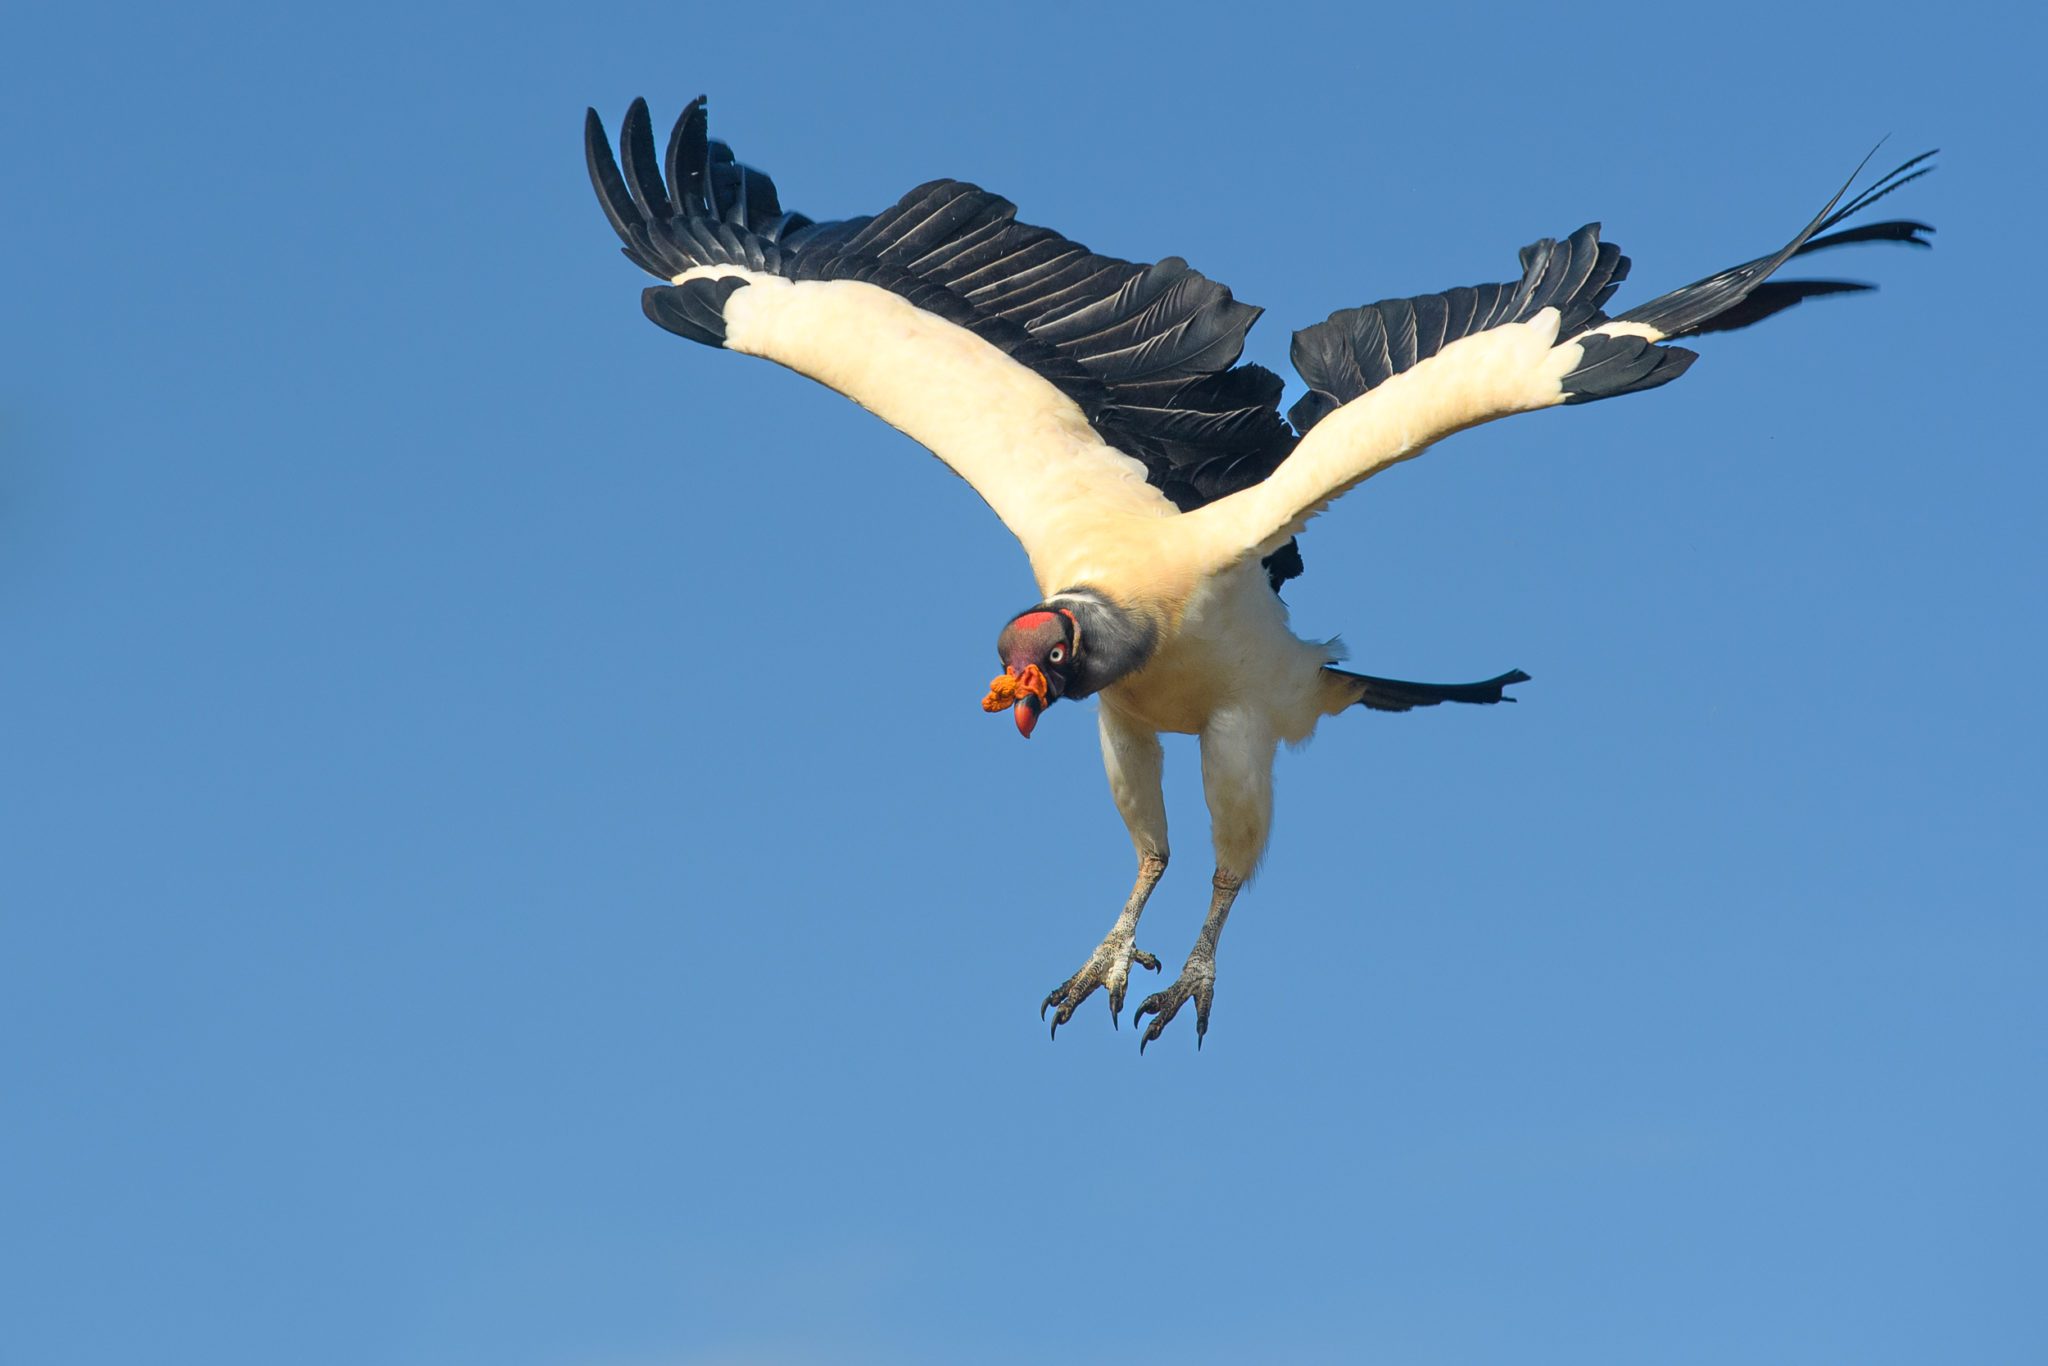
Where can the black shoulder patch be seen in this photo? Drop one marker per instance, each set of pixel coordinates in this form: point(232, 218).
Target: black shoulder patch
point(1282, 565)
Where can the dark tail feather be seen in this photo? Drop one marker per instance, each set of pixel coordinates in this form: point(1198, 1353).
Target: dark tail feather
point(1391, 694)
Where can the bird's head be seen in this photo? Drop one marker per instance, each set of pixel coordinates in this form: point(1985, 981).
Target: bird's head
point(1037, 649)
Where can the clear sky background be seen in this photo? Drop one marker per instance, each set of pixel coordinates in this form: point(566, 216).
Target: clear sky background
point(500, 860)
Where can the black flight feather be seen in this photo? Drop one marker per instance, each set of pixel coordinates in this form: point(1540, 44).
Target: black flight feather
point(643, 172)
point(1686, 311)
point(1357, 349)
point(1151, 352)
point(684, 163)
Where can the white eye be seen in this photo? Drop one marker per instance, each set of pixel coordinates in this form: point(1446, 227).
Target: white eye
point(1059, 652)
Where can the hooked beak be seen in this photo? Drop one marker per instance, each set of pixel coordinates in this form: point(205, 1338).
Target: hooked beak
point(1029, 692)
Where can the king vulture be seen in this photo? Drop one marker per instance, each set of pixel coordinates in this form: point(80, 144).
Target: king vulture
point(1098, 407)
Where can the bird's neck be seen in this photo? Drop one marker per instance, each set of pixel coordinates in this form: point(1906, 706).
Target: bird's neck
point(1112, 641)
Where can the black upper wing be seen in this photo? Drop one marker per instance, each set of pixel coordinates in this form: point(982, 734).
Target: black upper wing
point(1356, 349)
point(1149, 352)
point(1745, 294)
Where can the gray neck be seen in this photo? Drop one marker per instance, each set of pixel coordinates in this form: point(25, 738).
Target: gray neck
point(1112, 642)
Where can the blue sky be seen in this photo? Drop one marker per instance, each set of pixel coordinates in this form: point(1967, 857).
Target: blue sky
point(449, 916)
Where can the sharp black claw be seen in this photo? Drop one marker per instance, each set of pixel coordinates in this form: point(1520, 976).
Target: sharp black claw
point(1067, 998)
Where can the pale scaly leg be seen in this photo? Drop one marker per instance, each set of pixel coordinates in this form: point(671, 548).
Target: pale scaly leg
point(1237, 779)
point(1133, 759)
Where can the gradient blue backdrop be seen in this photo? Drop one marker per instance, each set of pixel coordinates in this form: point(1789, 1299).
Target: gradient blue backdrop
point(501, 862)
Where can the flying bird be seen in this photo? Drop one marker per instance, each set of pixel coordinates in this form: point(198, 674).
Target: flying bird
point(1099, 408)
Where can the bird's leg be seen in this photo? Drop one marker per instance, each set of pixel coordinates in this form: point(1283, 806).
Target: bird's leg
point(1237, 779)
point(1197, 978)
point(1110, 964)
point(1134, 761)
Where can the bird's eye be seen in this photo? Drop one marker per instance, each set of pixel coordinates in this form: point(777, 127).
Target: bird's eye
point(1059, 652)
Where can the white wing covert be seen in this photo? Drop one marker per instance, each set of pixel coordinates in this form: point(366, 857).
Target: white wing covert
point(1388, 380)
point(1065, 386)
point(1089, 399)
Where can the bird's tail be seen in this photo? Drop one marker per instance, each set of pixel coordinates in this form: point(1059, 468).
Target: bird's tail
point(1392, 694)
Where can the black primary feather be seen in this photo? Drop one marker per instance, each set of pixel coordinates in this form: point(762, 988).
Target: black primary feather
point(1706, 305)
point(1357, 349)
point(643, 173)
point(1149, 352)
point(1893, 230)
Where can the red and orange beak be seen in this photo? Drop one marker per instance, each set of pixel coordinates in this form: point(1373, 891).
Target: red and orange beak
point(1028, 692)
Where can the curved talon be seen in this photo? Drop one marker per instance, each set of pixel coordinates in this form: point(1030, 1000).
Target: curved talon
point(1068, 1000)
point(1197, 986)
point(1108, 967)
point(1163, 1009)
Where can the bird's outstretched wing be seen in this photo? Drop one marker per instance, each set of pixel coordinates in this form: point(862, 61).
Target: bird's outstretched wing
point(1068, 388)
point(1389, 379)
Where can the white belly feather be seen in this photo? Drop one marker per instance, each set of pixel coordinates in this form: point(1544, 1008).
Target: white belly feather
point(1231, 651)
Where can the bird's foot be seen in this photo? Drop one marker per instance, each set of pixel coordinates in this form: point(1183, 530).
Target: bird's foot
point(1197, 980)
point(1109, 966)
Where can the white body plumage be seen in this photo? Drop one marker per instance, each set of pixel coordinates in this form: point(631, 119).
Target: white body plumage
point(1075, 393)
